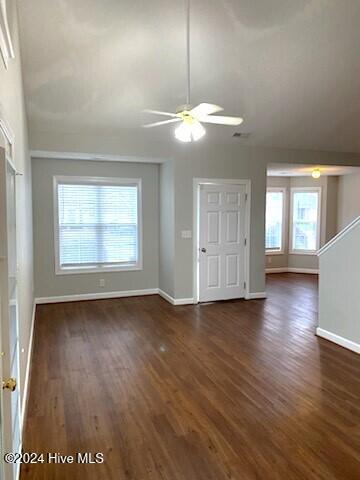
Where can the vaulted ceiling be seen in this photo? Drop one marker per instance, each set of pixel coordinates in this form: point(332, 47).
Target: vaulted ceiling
point(291, 68)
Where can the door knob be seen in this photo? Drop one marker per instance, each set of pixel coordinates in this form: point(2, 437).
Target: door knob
point(203, 250)
point(10, 384)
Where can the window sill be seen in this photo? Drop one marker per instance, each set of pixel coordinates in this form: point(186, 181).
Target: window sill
point(303, 252)
point(82, 270)
point(274, 252)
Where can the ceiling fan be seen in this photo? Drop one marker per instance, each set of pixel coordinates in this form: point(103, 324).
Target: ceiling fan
point(191, 128)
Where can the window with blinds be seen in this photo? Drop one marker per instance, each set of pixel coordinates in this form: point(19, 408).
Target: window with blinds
point(97, 224)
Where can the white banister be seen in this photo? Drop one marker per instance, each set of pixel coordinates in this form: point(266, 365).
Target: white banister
point(339, 236)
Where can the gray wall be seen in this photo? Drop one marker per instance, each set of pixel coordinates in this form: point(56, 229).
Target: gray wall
point(233, 161)
point(348, 200)
point(331, 208)
point(217, 162)
point(167, 228)
point(47, 284)
point(12, 109)
point(203, 159)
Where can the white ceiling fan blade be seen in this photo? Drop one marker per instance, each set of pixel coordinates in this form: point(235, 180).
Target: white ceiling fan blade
point(205, 109)
point(164, 122)
point(222, 120)
point(157, 112)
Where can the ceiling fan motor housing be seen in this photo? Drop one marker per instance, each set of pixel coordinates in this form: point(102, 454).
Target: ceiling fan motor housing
point(184, 108)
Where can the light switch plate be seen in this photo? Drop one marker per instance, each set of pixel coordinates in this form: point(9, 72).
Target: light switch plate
point(186, 234)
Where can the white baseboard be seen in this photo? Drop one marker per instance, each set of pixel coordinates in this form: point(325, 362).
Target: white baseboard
point(312, 271)
point(96, 296)
point(106, 295)
point(255, 295)
point(166, 297)
point(344, 342)
point(183, 301)
point(129, 293)
point(190, 301)
point(277, 270)
point(25, 395)
point(175, 301)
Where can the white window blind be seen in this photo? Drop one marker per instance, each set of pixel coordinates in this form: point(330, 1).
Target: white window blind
point(98, 224)
point(274, 220)
point(305, 220)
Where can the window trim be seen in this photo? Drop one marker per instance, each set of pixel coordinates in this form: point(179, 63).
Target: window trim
point(269, 251)
point(293, 190)
point(78, 180)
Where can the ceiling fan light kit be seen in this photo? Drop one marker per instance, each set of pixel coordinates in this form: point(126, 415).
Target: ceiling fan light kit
point(191, 128)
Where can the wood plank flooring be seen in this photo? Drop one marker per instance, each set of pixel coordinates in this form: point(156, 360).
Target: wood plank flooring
point(232, 390)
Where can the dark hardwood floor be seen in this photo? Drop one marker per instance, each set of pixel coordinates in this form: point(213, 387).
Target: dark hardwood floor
point(232, 390)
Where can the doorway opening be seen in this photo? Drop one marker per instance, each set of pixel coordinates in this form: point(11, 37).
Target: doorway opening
point(306, 206)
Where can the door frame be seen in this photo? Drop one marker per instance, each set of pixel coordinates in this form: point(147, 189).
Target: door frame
point(9, 136)
point(197, 182)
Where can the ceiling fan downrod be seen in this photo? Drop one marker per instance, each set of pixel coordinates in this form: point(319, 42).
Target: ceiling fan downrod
point(187, 5)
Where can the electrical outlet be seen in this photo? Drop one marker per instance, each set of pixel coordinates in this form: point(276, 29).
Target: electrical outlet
point(102, 282)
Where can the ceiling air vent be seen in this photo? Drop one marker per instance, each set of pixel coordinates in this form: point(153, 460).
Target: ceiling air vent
point(241, 135)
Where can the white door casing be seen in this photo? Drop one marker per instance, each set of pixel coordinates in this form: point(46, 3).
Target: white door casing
point(222, 241)
point(9, 346)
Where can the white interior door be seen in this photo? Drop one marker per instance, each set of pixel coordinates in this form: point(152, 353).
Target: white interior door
point(222, 242)
point(9, 359)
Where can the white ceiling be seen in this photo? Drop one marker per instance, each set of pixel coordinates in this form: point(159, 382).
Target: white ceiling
point(291, 68)
point(291, 170)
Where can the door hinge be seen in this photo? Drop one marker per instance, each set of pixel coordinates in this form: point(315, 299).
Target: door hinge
point(245, 242)
point(246, 197)
point(244, 285)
